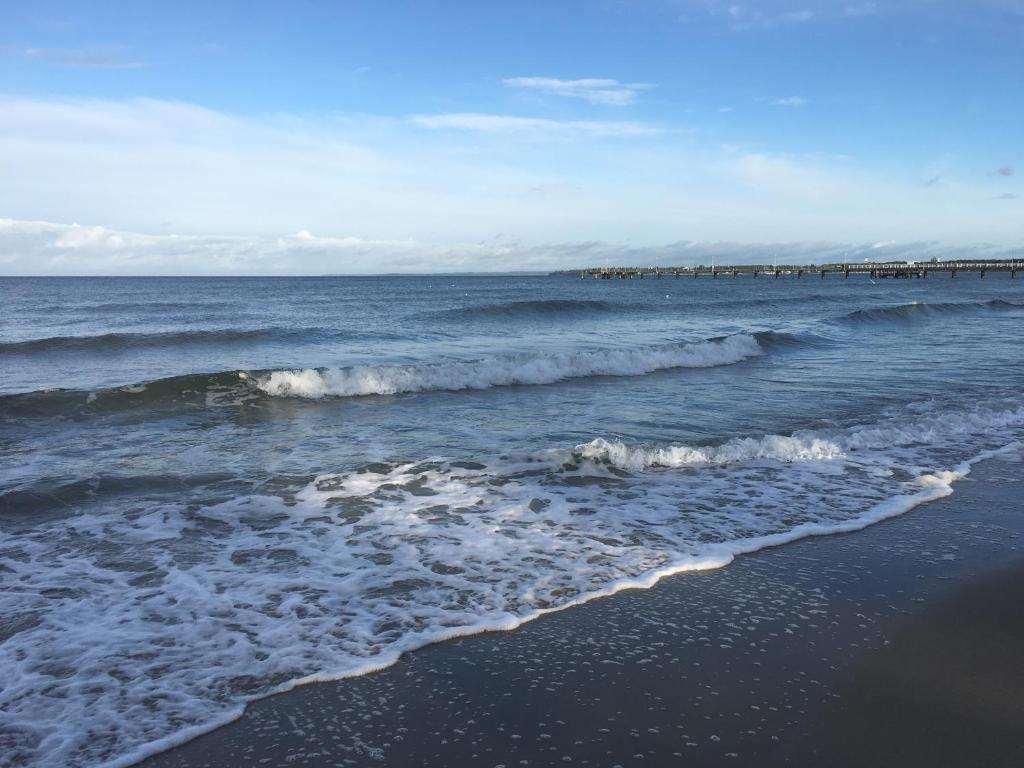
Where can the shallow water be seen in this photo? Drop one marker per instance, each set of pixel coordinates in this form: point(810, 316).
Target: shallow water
point(213, 488)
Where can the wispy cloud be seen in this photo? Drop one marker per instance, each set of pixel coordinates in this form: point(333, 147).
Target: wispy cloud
point(857, 10)
point(533, 126)
point(1006, 196)
point(99, 57)
point(1005, 170)
point(747, 15)
point(440, 179)
point(752, 15)
point(595, 90)
point(790, 101)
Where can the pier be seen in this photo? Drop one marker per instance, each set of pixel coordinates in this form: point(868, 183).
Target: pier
point(874, 270)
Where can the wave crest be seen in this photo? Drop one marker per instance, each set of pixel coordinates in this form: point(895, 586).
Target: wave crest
point(360, 566)
point(507, 371)
point(805, 446)
point(915, 310)
point(772, 447)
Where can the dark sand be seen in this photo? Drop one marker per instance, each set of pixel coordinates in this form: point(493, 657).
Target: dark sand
point(899, 645)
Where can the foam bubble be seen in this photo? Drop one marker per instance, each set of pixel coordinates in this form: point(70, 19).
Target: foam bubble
point(808, 446)
point(131, 630)
point(773, 447)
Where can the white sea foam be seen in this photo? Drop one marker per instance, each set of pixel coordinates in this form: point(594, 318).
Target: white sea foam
point(772, 447)
point(505, 371)
point(135, 630)
point(806, 446)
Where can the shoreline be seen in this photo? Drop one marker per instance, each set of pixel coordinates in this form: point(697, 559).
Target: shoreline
point(681, 624)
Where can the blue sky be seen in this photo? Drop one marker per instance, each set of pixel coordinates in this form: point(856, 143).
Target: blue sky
point(434, 135)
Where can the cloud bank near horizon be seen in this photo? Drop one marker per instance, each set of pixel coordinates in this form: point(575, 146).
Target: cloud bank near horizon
point(164, 167)
point(29, 248)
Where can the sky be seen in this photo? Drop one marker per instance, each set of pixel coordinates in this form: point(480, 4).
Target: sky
point(365, 137)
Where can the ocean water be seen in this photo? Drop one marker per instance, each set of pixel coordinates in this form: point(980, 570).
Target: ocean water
point(215, 489)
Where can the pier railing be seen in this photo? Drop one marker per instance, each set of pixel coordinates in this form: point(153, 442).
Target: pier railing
point(902, 269)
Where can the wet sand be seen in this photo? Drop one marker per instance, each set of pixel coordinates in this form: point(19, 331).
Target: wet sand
point(948, 688)
point(902, 644)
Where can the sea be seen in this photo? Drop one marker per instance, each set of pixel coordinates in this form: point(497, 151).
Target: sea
point(216, 489)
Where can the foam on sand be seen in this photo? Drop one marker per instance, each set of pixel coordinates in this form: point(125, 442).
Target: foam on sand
point(132, 629)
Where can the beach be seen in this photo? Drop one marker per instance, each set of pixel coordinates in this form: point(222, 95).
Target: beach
point(442, 385)
point(215, 492)
point(896, 645)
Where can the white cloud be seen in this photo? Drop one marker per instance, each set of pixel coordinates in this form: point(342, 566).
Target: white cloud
point(764, 15)
point(425, 193)
point(535, 126)
point(857, 10)
point(99, 57)
point(36, 247)
point(755, 14)
point(790, 101)
point(594, 90)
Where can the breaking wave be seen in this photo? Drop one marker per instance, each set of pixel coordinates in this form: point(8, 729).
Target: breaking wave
point(227, 388)
point(804, 446)
point(360, 566)
point(506, 371)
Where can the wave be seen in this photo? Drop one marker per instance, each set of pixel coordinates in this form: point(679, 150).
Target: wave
point(552, 308)
point(920, 310)
point(546, 308)
point(230, 388)
point(803, 446)
point(506, 371)
point(112, 342)
point(196, 390)
point(363, 565)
